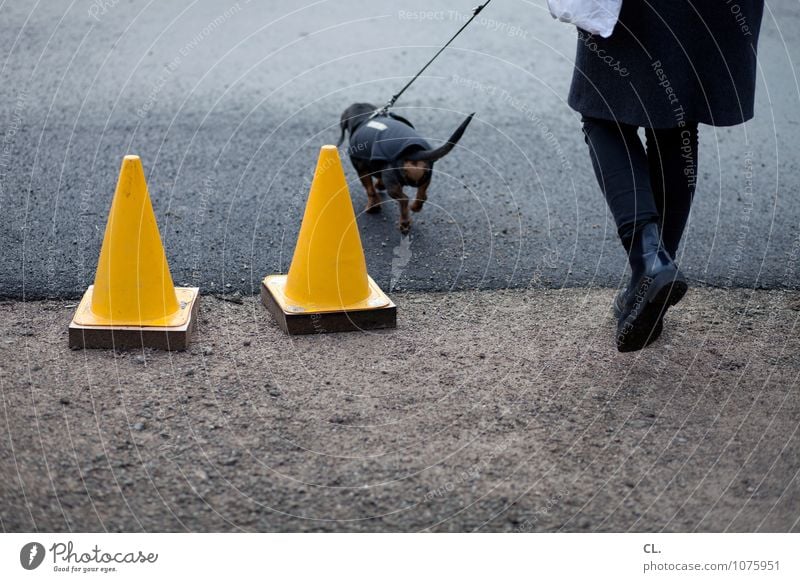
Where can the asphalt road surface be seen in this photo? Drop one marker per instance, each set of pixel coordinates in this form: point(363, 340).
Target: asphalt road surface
point(229, 102)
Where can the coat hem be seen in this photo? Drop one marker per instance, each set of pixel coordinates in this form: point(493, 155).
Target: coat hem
point(637, 121)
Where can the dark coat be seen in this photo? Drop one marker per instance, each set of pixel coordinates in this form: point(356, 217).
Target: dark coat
point(384, 139)
point(671, 62)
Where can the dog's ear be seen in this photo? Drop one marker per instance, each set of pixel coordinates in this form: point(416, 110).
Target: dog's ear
point(343, 125)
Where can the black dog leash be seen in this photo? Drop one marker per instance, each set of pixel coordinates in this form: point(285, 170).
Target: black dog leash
point(385, 109)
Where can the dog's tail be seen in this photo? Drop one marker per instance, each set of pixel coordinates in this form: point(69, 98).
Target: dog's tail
point(442, 151)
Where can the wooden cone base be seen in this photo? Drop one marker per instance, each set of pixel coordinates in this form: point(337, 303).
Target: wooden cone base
point(131, 337)
point(302, 323)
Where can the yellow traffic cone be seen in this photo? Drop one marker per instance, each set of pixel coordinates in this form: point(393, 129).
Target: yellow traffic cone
point(133, 302)
point(327, 288)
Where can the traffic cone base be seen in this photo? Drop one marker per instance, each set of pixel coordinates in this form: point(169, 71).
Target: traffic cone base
point(277, 287)
point(186, 297)
point(377, 311)
point(87, 330)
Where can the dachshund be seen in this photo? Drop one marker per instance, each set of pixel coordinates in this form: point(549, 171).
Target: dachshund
point(386, 147)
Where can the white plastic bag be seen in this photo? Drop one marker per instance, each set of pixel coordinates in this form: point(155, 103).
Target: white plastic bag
point(595, 16)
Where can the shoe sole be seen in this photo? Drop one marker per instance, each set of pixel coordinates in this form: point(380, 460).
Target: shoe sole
point(644, 325)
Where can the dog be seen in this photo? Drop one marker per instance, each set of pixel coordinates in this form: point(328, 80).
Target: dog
point(387, 148)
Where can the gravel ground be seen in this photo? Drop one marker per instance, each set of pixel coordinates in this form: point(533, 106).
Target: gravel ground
point(494, 411)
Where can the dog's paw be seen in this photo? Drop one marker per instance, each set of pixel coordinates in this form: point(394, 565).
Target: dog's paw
point(405, 226)
point(416, 205)
point(373, 206)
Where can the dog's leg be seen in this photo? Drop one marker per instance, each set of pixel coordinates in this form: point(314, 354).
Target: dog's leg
point(422, 196)
point(373, 199)
point(395, 190)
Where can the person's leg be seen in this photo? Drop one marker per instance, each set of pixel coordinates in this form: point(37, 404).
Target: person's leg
point(672, 158)
point(622, 171)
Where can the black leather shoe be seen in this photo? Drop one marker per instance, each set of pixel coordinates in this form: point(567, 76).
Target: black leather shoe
point(619, 306)
point(656, 283)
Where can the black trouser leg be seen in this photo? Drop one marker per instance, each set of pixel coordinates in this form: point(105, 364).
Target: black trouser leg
point(621, 166)
point(672, 159)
